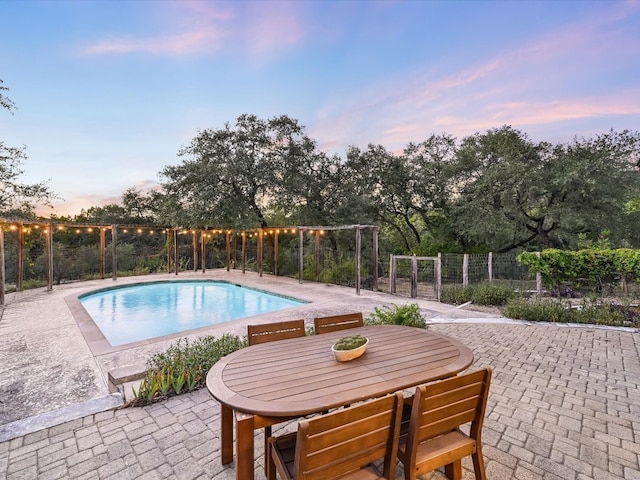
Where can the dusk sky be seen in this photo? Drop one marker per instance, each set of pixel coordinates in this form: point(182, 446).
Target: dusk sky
point(107, 92)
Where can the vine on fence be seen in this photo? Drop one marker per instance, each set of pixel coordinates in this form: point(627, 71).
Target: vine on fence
point(591, 267)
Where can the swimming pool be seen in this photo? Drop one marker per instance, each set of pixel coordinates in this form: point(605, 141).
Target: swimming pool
point(144, 311)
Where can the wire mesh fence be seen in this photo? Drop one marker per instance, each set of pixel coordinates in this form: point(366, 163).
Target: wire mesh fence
point(332, 255)
point(458, 269)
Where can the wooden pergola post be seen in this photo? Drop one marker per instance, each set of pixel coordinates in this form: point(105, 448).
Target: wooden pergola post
point(228, 242)
point(317, 254)
point(202, 250)
point(175, 251)
point(194, 240)
point(235, 250)
point(244, 251)
point(114, 251)
point(103, 245)
point(275, 253)
point(260, 237)
point(2, 272)
point(300, 254)
point(20, 271)
point(169, 248)
point(49, 248)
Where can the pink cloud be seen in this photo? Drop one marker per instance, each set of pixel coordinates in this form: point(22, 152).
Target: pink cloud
point(198, 28)
point(272, 30)
point(179, 44)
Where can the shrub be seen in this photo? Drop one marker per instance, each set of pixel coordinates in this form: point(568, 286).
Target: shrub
point(183, 366)
point(489, 293)
point(486, 293)
point(455, 294)
point(537, 310)
point(587, 312)
point(406, 315)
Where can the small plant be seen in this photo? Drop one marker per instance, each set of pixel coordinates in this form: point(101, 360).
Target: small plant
point(191, 381)
point(406, 315)
point(164, 382)
point(178, 382)
point(349, 343)
point(149, 388)
point(183, 367)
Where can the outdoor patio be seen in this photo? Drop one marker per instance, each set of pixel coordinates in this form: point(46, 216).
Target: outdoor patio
point(564, 404)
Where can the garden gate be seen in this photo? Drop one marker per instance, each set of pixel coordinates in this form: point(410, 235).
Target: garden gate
point(415, 272)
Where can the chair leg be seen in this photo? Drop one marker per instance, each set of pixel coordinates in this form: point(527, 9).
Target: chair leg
point(478, 465)
point(409, 473)
point(269, 464)
point(267, 454)
point(453, 471)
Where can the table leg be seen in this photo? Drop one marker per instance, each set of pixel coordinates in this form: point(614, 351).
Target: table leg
point(245, 427)
point(226, 434)
point(453, 470)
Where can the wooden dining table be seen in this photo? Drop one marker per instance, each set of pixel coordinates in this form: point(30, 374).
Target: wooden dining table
point(272, 382)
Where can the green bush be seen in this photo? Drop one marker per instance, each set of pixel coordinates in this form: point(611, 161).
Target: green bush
point(587, 312)
point(183, 366)
point(490, 293)
point(406, 315)
point(537, 310)
point(455, 294)
point(590, 267)
point(486, 293)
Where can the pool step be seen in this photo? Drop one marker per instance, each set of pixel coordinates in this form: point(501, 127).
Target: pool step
point(124, 379)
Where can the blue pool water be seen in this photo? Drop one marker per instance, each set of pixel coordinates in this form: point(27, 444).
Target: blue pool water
point(143, 311)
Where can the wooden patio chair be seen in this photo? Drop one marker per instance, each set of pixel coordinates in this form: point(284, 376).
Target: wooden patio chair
point(341, 444)
point(270, 332)
point(338, 322)
point(433, 438)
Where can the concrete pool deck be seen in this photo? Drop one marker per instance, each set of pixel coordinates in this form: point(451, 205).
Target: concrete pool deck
point(564, 402)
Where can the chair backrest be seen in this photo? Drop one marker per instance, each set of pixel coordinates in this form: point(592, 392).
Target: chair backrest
point(270, 332)
point(331, 445)
point(443, 406)
point(338, 322)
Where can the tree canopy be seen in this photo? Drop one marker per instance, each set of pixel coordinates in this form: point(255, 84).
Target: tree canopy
point(491, 191)
point(16, 197)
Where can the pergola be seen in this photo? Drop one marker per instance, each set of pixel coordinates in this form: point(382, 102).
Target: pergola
point(198, 243)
